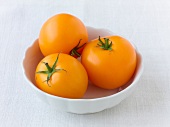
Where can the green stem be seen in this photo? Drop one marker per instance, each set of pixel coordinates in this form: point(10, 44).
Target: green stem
point(105, 45)
point(74, 51)
point(50, 71)
point(48, 67)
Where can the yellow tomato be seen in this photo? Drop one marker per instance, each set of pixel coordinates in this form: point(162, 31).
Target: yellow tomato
point(63, 33)
point(110, 62)
point(61, 75)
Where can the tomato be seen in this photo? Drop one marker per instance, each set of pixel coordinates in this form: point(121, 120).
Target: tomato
point(110, 62)
point(61, 75)
point(63, 33)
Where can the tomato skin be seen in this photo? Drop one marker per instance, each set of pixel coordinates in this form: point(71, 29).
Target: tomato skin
point(71, 83)
point(61, 33)
point(109, 69)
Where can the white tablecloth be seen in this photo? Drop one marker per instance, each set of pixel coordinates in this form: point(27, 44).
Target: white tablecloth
point(146, 23)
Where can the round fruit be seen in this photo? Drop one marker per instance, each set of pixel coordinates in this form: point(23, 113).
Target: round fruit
point(110, 62)
point(61, 75)
point(63, 33)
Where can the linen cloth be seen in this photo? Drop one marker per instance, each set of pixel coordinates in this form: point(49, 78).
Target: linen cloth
point(146, 23)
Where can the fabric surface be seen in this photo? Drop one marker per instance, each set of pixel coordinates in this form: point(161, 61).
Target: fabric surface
point(145, 23)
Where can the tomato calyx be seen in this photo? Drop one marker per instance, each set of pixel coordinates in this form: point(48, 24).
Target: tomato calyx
point(74, 51)
point(50, 70)
point(105, 45)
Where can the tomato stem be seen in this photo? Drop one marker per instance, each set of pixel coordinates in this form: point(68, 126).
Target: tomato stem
point(74, 52)
point(48, 67)
point(50, 70)
point(105, 45)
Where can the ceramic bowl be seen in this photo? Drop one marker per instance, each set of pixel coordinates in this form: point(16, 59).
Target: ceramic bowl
point(95, 99)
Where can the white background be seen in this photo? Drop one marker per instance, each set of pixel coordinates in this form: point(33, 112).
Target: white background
point(146, 23)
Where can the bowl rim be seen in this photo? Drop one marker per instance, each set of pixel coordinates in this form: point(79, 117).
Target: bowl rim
point(81, 99)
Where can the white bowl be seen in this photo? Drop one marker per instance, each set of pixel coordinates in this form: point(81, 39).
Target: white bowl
point(95, 99)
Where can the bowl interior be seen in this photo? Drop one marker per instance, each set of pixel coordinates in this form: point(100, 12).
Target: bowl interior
point(33, 56)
